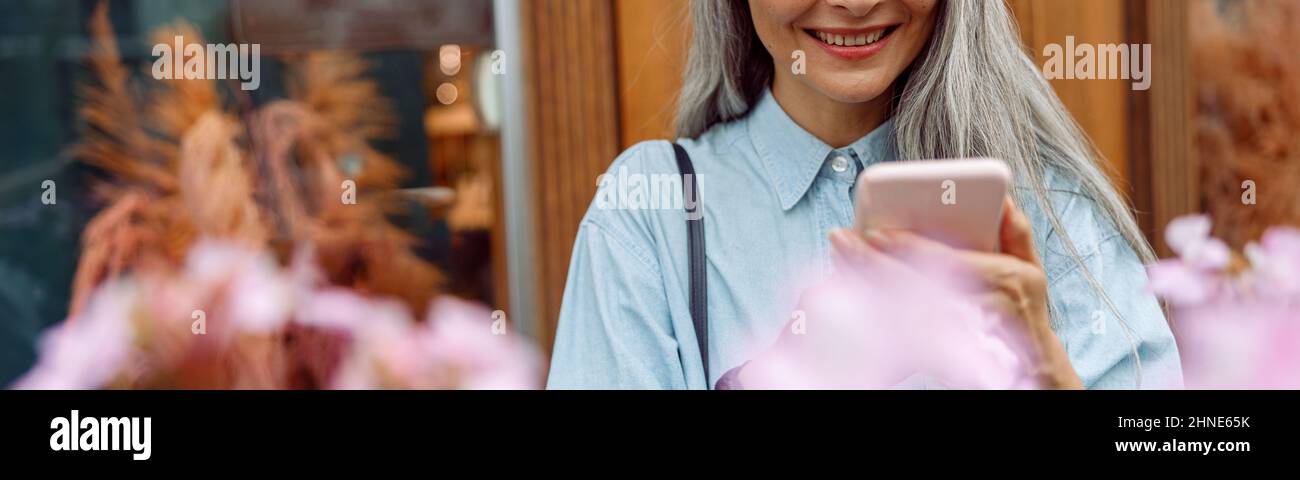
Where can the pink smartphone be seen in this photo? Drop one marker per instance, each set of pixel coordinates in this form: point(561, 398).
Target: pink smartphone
point(957, 202)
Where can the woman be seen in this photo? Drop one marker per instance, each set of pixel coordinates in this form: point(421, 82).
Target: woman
point(784, 103)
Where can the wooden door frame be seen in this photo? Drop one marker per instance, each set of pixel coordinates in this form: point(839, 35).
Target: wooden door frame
point(571, 100)
point(1165, 171)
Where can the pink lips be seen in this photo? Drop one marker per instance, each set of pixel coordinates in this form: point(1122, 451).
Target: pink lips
point(857, 52)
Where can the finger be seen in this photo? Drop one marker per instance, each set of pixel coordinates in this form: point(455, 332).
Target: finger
point(966, 270)
point(973, 271)
point(907, 244)
point(937, 257)
point(851, 250)
point(848, 250)
point(997, 303)
point(1016, 233)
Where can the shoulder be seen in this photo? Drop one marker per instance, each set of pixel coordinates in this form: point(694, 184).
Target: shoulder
point(611, 215)
point(652, 156)
point(652, 160)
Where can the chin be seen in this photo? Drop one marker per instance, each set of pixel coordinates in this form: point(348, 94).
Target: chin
point(851, 89)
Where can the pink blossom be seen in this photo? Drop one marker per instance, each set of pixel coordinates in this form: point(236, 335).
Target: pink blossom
point(877, 329)
point(1190, 238)
point(92, 349)
point(1182, 284)
point(1236, 330)
point(137, 331)
point(1249, 343)
point(475, 345)
point(381, 352)
point(1276, 261)
point(459, 345)
point(1191, 278)
point(259, 297)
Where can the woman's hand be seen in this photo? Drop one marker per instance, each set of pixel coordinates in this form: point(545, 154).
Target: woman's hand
point(1011, 282)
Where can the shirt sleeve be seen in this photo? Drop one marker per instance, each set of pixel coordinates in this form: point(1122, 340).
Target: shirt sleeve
point(615, 329)
point(1107, 341)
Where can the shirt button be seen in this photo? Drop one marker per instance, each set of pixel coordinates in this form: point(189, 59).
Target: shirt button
point(839, 164)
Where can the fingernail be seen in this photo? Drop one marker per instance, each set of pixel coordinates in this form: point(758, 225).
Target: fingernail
point(877, 239)
point(840, 240)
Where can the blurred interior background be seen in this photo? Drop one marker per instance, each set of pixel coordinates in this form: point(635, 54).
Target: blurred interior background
point(501, 164)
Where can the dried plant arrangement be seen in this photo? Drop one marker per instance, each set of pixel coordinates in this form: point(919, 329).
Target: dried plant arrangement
point(253, 249)
point(1248, 101)
point(180, 167)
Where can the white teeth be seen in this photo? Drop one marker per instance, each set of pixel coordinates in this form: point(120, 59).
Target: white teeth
point(851, 40)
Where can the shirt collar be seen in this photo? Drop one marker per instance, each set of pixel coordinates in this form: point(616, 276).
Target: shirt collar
point(792, 157)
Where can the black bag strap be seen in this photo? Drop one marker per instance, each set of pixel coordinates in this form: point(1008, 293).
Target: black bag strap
point(695, 242)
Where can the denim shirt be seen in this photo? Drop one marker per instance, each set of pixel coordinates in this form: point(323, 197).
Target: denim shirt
point(771, 194)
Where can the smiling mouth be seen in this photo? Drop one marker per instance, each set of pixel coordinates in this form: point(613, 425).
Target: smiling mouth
point(851, 38)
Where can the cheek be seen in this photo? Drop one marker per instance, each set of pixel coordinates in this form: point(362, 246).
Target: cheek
point(922, 21)
point(774, 20)
point(920, 8)
point(923, 15)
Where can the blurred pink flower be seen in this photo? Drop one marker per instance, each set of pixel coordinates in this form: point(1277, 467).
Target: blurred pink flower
point(89, 352)
point(872, 331)
point(1247, 343)
point(137, 332)
point(474, 344)
point(380, 352)
point(1181, 284)
point(259, 297)
point(1276, 261)
point(1190, 279)
point(1190, 238)
point(1237, 330)
point(457, 347)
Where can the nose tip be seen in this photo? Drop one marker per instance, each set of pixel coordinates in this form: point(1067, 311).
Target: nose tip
point(856, 8)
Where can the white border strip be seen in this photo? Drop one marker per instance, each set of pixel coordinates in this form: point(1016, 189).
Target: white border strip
point(516, 181)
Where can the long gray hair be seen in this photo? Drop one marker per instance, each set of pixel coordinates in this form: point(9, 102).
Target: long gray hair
point(973, 92)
